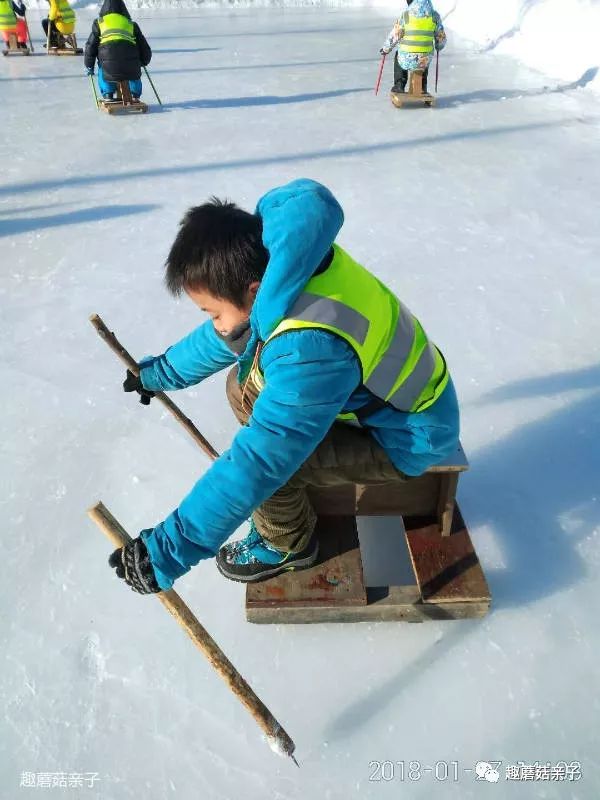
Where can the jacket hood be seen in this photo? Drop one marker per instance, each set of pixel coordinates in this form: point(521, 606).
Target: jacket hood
point(114, 7)
point(421, 8)
point(300, 222)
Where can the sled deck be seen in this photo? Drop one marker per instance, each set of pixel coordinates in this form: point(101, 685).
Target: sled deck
point(124, 103)
point(415, 95)
point(449, 581)
point(13, 49)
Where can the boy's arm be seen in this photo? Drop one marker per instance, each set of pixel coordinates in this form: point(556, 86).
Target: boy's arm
point(309, 376)
point(143, 47)
point(394, 37)
point(440, 33)
point(195, 357)
point(91, 46)
point(53, 13)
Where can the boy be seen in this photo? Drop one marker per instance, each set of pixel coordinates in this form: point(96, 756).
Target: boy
point(416, 33)
point(335, 382)
point(120, 47)
point(12, 20)
point(60, 21)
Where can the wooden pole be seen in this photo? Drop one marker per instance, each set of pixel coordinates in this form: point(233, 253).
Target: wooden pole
point(153, 87)
point(28, 34)
point(131, 364)
point(94, 91)
point(380, 74)
point(279, 741)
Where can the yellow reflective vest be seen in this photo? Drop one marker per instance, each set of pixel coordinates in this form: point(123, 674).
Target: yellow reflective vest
point(115, 28)
point(400, 366)
point(8, 20)
point(419, 34)
point(62, 15)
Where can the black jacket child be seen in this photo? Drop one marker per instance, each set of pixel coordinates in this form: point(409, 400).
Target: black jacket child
point(120, 60)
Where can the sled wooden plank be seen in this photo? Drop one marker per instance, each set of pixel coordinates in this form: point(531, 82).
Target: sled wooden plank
point(416, 497)
point(400, 99)
point(384, 604)
point(336, 580)
point(117, 107)
point(64, 51)
point(446, 567)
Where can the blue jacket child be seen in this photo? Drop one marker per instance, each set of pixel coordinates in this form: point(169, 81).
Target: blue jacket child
point(310, 376)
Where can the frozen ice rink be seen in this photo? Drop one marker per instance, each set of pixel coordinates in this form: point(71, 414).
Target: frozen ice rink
point(482, 214)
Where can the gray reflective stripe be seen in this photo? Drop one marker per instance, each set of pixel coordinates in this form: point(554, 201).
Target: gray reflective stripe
point(7, 18)
point(386, 373)
point(404, 397)
point(314, 308)
point(416, 32)
point(416, 43)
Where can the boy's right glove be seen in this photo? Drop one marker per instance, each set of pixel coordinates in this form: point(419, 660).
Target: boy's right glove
point(89, 71)
point(133, 383)
point(383, 52)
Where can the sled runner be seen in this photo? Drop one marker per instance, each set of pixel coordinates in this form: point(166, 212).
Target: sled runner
point(67, 46)
point(450, 583)
point(13, 48)
point(124, 102)
point(415, 94)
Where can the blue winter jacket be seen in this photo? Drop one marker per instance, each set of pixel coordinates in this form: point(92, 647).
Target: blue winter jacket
point(310, 377)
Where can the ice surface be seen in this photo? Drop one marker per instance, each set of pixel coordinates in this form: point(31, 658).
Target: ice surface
point(483, 216)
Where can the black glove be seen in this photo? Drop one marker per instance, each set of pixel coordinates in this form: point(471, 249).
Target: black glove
point(132, 563)
point(133, 383)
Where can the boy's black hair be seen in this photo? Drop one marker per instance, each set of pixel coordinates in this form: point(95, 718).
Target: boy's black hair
point(218, 248)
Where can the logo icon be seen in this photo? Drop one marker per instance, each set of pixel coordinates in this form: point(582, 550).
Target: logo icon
point(487, 771)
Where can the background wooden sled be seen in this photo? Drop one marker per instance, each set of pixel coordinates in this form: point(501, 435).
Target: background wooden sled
point(415, 94)
point(67, 47)
point(124, 102)
point(450, 583)
point(12, 47)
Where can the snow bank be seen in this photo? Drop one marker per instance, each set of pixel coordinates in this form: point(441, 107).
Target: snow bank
point(555, 36)
point(558, 37)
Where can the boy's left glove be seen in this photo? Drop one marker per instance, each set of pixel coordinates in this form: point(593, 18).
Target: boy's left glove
point(89, 70)
point(133, 383)
point(133, 565)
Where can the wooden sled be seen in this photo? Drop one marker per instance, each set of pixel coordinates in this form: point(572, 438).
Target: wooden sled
point(12, 47)
point(415, 95)
point(66, 47)
point(449, 580)
point(124, 103)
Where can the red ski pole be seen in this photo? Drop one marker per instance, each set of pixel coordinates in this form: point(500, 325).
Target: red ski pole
point(380, 73)
point(437, 69)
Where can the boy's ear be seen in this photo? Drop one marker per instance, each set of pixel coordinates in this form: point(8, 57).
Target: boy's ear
point(253, 289)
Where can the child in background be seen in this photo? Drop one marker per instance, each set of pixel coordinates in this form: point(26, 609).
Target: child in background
point(418, 31)
point(60, 21)
point(12, 20)
point(120, 47)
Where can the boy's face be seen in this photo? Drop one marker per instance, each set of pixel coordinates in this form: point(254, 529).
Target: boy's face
point(225, 315)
